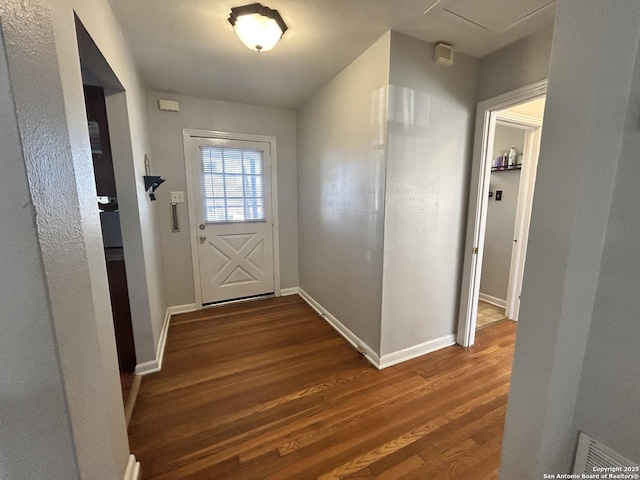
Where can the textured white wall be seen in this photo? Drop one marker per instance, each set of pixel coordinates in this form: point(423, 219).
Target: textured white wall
point(44, 68)
point(341, 165)
point(168, 160)
point(580, 147)
point(36, 440)
point(501, 217)
point(47, 90)
point(430, 128)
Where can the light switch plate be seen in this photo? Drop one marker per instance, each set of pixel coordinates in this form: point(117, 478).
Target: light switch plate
point(177, 197)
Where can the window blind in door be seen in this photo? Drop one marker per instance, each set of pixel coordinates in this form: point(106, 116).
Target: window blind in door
point(232, 184)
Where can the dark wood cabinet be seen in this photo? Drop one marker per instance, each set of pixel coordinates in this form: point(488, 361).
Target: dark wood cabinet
point(100, 141)
point(121, 309)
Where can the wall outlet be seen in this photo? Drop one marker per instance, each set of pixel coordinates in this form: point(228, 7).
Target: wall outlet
point(177, 197)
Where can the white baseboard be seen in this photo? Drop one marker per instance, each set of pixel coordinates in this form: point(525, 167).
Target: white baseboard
point(153, 366)
point(351, 337)
point(133, 469)
point(289, 291)
point(498, 302)
point(387, 360)
point(176, 309)
point(400, 356)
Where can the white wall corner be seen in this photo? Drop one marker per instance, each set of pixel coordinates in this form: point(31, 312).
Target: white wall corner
point(351, 337)
point(155, 365)
point(133, 469)
point(498, 302)
point(391, 359)
point(289, 291)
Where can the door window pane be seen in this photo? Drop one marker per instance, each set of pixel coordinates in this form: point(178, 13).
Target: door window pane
point(232, 184)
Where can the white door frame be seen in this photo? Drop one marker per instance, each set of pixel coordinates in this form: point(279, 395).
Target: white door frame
point(187, 135)
point(532, 127)
point(478, 198)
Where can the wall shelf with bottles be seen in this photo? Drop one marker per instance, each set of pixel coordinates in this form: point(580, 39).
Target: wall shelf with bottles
point(504, 169)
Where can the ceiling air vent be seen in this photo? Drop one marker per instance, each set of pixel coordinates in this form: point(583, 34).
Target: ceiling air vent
point(593, 457)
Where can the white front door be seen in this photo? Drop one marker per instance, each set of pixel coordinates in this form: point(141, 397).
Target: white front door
point(233, 217)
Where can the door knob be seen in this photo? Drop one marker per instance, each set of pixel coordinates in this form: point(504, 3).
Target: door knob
point(203, 237)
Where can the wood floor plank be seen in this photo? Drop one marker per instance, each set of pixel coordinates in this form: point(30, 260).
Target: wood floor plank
point(268, 390)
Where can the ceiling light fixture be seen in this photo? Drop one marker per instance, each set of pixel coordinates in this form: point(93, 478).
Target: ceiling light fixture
point(259, 28)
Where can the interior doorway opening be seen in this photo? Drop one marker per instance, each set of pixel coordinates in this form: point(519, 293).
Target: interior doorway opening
point(508, 131)
point(515, 147)
point(104, 103)
point(107, 204)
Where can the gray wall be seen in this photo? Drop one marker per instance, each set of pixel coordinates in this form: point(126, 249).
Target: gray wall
point(501, 217)
point(45, 75)
point(47, 90)
point(430, 129)
point(87, 347)
point(167, 159)
point(341, 165)
point(104, 50)
point(36, 440)
point(580, 147)
point(522, 63)
point(607, 406)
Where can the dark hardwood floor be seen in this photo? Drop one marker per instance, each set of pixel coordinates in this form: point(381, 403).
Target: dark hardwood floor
point(268, 390)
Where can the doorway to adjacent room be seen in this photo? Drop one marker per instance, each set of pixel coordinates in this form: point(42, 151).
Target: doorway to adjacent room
point(506, 151)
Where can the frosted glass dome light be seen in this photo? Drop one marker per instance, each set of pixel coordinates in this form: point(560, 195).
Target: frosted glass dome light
point(258, 27)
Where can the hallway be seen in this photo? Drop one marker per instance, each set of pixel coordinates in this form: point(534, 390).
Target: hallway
point(266, 389)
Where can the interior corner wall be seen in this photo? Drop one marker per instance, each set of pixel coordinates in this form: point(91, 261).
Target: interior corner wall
point(607, 407)
point(341, 174)
point(139, 216)
point(430, 132)
point(168, 160)
point(501, 216)
point(560, 310)
point(519, 64)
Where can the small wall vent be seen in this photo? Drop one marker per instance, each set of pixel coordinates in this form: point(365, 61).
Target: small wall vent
point(443, 54)
point(168, 105)
point(592, 457)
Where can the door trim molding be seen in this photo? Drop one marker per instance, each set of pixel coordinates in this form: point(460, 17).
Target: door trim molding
point(517, 120)
point(532, 127)
point(187, 135)
point(523, 218)
point(478, 194)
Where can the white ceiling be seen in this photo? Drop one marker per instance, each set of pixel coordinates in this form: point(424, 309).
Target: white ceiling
point(189, 47)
